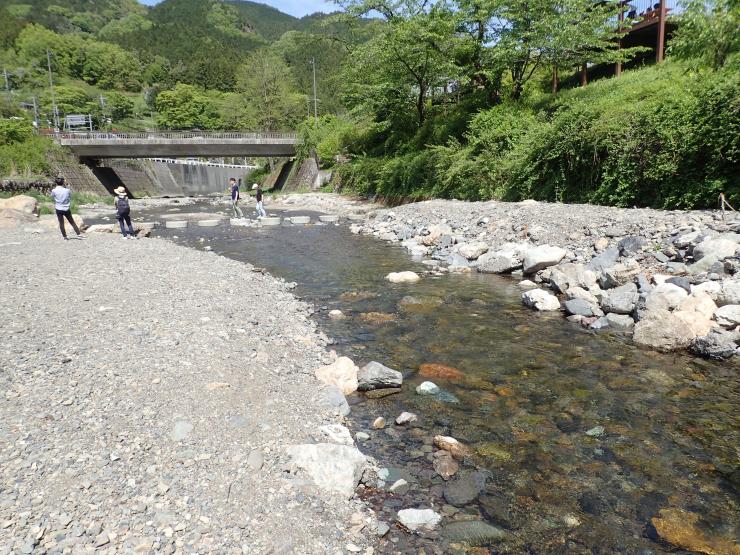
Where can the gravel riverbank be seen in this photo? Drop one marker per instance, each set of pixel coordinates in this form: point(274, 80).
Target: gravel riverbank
point(149, 396)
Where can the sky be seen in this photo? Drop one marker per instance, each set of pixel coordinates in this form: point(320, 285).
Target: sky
point(298, 8)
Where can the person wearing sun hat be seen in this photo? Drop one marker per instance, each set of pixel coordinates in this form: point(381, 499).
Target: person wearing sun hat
point(258, 197)
point(123, 212)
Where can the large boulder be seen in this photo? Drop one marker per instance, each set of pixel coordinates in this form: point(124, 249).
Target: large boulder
point(717, 344)
point(668, 331)
point(435, 234)
point(620, 300)
point(341, 373)
point(377, 376)
point(620, 322)
point(698, 302)
point(719, 248)
point(471, 251)
point(581, 293)
point(565, 276)
point(21, 203)
point(540, 257)
point(603, 261)
point(728, 316)
point(540, 299)
point(665, 296)
point(11, 219)
point(503, 260)
point(580, 307)
point(729, 293)
point(620, 274)
point(333, 468)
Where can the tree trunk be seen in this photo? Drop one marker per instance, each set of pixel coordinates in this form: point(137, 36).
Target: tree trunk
point(555, 82)
point(420, 104)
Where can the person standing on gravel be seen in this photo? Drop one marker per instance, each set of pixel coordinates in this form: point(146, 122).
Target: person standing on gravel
point(123, 213)
point(235, 198)
point(62, 197)
point(258, 197)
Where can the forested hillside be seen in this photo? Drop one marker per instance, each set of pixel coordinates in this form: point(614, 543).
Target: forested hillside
point(469, 99)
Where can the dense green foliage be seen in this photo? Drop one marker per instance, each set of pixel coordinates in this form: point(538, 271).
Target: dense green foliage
point(467, 110)
point(22, 153)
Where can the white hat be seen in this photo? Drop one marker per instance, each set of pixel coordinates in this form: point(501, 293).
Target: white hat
point(119, 191)
point(255, 186)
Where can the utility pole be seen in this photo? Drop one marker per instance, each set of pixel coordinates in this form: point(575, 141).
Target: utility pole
point(55, 112)
point(7, 83)
point(315, 99)
point(35, 114)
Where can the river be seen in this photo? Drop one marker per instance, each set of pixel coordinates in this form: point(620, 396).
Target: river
point(582, 438)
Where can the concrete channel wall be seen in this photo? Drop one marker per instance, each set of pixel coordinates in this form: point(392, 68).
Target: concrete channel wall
point(157, 179)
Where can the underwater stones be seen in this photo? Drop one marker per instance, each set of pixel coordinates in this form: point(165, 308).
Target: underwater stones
point(415, 519)
point(444, 464)
point(405, 418)
point(474, 533)
point(427, 388)
point(440, 371)
point(680, 528)
point(451, 445)
point(379, 423)
point(465, 488)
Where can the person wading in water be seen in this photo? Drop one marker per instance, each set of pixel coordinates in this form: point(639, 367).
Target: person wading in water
point(123, 213)
point(62, 197)
point(258, 197)
point(235, 198)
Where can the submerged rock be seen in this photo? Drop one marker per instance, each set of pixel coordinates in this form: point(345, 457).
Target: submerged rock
point(440, 371)
point(465, 488)
point(474, 533)
point(680, 528)
point(403, 277)
point(405, 418)
point(415, 519)
point(454, 447)
point(445, 465)
point(427, 388)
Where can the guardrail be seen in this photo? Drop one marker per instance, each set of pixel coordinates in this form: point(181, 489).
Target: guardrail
point(186, 162)
point(172, 135)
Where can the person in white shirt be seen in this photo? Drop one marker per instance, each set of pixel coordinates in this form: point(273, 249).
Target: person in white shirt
point(62, 197)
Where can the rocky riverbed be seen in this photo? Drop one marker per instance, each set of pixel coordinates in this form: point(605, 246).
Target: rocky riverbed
point(160, 399)
point(668, 279)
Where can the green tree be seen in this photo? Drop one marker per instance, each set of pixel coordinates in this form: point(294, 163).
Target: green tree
point(187, 107)
point(15, 130)
point(708, 33)
point(118, 106)
point(268, 91)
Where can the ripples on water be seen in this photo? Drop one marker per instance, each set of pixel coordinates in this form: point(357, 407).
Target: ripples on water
point(532, 385)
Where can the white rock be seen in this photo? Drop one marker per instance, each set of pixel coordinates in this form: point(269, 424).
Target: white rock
point(403, 277)
point(405, 418)
point(414, 519)
point(333, 468)
point(698, 302)
point(668, 331)
point(728, 316)
point(336, 433)
point(581, 293)
point(471, 251)
point(729, 293)
point(540, 299)
point(665, 296)
point(341, 373)
point(435, 232)
point(427, 388)
point(721, 248)
point(541, 257)
point(336, 314)
point(711, 288)
point(527, 284)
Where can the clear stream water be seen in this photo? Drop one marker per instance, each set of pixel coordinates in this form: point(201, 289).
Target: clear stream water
point(530, 385)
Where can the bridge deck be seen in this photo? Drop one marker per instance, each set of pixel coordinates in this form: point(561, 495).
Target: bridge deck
point(176, 144)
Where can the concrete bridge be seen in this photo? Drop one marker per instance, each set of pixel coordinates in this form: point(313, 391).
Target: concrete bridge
point(100, 144)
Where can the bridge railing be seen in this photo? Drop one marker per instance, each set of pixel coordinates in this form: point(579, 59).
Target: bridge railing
point(186, 162)
point(172, 135)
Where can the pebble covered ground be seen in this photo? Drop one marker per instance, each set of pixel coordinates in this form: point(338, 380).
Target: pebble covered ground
point(146, 393)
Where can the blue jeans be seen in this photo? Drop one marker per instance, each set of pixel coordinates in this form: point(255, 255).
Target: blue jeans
point(261, 209)
point(126, 216)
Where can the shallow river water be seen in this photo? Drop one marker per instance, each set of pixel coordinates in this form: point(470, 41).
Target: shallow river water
point(522, 389)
